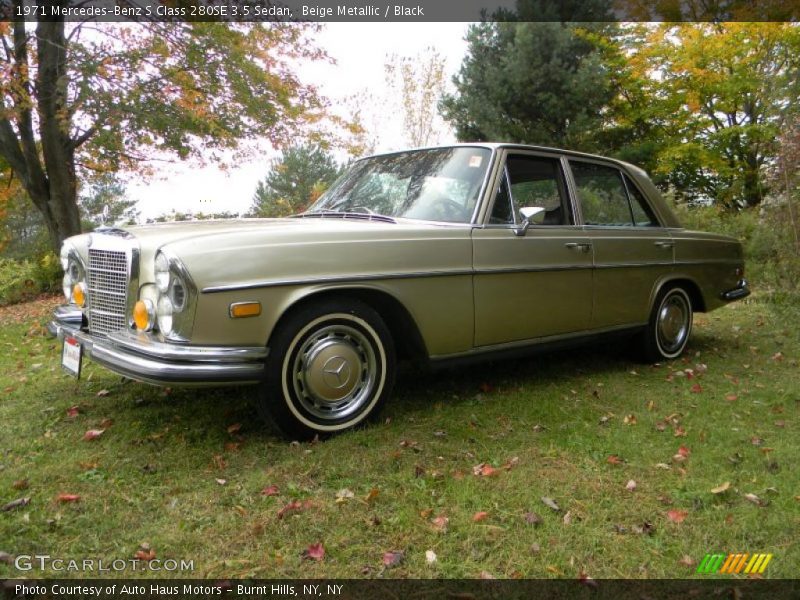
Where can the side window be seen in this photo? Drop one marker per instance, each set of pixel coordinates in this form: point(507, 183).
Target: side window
point(602, 194)
point(502, 211)
point(642, 214)
point(534, 181)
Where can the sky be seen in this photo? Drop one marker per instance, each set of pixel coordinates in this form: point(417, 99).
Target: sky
point(359, 51)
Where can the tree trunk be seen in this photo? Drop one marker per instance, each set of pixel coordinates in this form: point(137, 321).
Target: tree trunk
point(45, 167)
point(62, 217)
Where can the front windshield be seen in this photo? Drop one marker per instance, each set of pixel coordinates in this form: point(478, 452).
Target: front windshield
point(440, 184)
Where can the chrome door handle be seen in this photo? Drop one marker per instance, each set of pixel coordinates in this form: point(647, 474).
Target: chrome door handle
point(582, 246)
point(664, 244)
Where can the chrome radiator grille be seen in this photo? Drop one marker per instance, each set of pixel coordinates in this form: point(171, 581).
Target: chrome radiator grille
point(107, 278)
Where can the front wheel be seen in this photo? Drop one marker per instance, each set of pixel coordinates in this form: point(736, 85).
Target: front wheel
point(331, 366)
point(669, 326)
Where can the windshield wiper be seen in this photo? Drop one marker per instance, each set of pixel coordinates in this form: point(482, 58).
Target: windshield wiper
point(358, 212)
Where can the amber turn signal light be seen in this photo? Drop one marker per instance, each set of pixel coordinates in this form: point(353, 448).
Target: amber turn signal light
point(143, 315)
point(245, 309)
point(79, 295)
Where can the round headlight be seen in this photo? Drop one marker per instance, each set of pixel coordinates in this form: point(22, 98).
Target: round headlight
point(177, 294)
point(162, 272)
point(164, 315)
point(73, 275)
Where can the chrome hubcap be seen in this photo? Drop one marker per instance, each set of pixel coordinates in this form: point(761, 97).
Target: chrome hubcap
point(673, 323)
point(334, 371)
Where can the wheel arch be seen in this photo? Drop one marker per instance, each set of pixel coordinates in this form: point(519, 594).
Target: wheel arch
point(405, 333)
point(685, 282)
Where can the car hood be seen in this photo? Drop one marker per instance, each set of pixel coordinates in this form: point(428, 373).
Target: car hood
point(224, 251)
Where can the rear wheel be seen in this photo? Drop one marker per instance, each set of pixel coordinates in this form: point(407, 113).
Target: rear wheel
point(669, 326)
point(331, 366)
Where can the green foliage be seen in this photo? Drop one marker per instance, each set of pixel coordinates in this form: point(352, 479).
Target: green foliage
point(296, 179)
point(533, 82)
point(719, 95)
point(107, 191)
point(21, 280)
point(772, 260)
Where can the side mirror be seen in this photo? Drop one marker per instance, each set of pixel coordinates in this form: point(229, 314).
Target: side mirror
point(531, 215)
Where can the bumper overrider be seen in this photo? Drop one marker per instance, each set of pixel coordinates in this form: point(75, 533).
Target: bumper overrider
point(143, 357)
point(742, 290)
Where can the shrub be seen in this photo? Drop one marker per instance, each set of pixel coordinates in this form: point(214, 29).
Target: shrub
point(21, 280)
point(770, 247)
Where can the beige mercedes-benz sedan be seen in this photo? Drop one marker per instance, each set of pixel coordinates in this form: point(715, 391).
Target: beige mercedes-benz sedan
point(441, 254)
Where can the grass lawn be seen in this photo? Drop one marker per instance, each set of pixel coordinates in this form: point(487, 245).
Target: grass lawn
point(628, 453)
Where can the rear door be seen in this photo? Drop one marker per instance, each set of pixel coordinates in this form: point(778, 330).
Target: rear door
point(632, 251)
point(537, 284)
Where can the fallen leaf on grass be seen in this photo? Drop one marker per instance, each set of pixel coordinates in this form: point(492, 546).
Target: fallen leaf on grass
point(480, 516)
point(106, 423)
point(440, 523)
point(485, 575)
point(234, 428)
point(731, 397)
point(484, 470)
point(344, 495)
point(392, 559)
point(371, 495)
point(531, 518)
point(294, 507)
point(146, 555)
point(615, 460)
point(568, 518)
point(631, 485)
point(778, 356)
point(755, 500)
point(682, 454)
point(550, 503)
point(630, 420)
point(679, 431)
point(19, 502)
point(687, 561)
point(430, 557)
point(677, 516)
point(93, 434)
point(21, 484)
point(723, 487)
point(73, 412)
point(221, 481)
point(102, 393)
point(314, 552)
point(425, 513)
point(696, 388)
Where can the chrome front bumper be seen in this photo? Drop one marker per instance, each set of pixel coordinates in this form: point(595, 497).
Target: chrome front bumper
point(143, 357)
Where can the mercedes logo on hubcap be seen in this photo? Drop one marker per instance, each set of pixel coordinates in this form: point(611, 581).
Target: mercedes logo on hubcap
point(336, 372)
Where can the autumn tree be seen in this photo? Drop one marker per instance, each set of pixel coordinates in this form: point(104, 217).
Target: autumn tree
point(83, 98)
point(525, 80)
point(296, 179)
point(722, 91)
point(417, 83)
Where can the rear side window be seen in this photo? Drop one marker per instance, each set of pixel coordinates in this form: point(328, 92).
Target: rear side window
point(609, 198)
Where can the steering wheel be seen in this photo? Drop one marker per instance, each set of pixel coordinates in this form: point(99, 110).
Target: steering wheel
point(447, 209)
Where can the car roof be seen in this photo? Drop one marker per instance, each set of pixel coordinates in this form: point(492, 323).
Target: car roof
point(507, 145)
